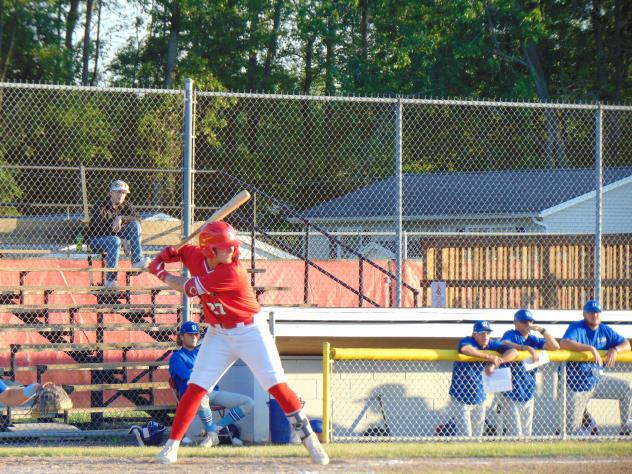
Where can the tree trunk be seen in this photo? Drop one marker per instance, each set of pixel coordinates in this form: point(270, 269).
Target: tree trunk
point(71, 22)
point(555, 149)
point(621, 49)
point(309, 59)
point(172, 45)
point(1, 28)
point(253, 115)
point(97, 46)
point(330, 38)
point(359, 77)
point(602, 61)
point(6, 60)
point(251, 69)
point(86, 43)
point(307, 84)
point(272, 47)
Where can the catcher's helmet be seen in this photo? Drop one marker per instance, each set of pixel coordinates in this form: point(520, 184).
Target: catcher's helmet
point(217, 234)
point(151, 434)
point(592, 306)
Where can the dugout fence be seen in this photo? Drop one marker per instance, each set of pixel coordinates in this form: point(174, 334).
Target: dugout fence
point(389, 395)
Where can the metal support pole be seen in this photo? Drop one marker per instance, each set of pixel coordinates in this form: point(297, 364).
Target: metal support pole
point(564, 396)
point(399, 203)
point(598, 198)
point(306, 267)
point(253, 241)
point(187, 178)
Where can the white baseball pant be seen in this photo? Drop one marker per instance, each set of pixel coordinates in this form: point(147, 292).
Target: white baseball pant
point(222, 347)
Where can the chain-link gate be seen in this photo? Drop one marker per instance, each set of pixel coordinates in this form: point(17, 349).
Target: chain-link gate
point(374, 399)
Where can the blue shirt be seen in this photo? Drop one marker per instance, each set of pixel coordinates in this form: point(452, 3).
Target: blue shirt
point(181, 366)
point(467, 377)
point(3, 386)
point(522, 381)
point(583, 376)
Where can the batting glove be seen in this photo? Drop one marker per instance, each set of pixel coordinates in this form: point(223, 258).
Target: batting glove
point(157, 267)
point(168, 255)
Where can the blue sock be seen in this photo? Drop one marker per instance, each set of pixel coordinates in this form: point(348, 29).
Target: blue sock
point(206, 417)
point(233, 415)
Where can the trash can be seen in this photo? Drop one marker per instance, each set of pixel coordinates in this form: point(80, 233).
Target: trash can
point(279, 426)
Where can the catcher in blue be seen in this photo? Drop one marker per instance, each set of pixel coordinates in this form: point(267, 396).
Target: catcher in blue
point(180, 368)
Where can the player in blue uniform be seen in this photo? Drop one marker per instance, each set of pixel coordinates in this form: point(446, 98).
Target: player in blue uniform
point(466, 390)
point(584, 380)
point(15, 396)
point(517, 405)
point(180, 368)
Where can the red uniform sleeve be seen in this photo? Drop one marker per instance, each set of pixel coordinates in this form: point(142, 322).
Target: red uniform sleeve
point(186, 252)
point(224, 278)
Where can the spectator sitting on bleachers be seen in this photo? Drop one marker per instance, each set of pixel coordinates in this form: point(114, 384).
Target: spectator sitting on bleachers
point(180, 368)
point(112, 220)
point(15, 396)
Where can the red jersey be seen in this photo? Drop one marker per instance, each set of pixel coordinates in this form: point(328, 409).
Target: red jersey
point(224, 291)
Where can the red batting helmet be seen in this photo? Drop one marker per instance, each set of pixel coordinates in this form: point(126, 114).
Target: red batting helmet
point(218, 234)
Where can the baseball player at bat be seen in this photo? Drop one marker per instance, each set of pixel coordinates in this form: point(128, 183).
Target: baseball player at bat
point(236, 330)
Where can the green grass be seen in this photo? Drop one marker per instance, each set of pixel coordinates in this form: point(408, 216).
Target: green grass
point(550, 449)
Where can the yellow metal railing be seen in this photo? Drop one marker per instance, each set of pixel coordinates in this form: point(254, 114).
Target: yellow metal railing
point(337, 353)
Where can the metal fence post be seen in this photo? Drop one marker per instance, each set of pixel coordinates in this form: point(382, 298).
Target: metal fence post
point(253, 241)
point(564, 402)
point(187, 178)
point(306, 267)
point(598, 198)
point(399, 203)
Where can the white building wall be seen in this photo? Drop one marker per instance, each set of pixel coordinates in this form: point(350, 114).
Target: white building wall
point(580, 218)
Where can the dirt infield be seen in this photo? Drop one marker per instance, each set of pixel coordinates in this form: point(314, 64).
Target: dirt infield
point(111, 465)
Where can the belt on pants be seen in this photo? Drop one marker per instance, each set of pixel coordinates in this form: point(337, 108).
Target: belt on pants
point(232, 325)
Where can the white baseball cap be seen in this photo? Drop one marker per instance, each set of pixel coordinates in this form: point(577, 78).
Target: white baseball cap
point(119, 185)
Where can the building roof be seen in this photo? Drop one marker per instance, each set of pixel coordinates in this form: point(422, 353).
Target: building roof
point(458, 194)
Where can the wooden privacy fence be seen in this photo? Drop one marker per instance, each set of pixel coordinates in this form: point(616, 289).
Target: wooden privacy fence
point(535, 271)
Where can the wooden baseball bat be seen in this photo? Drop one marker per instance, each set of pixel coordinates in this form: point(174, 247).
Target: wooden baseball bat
point(228, 208)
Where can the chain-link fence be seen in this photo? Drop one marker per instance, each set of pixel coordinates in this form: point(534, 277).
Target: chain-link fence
point(494, 203)
point(408, 400)
point(355, 202)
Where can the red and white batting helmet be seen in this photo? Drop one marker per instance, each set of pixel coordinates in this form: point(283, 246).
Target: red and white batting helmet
point(218, 234)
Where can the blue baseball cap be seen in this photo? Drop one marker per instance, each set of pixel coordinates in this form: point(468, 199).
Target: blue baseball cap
point(482, 326)
point(189, 327)
point(523, 315)
point(592, 306)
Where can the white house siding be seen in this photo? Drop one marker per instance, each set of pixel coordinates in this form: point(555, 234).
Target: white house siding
point(320, 247)
point(580, 217)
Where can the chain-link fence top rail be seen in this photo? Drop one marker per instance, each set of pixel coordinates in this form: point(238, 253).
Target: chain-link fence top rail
point(377, 397)
point(498, 199)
